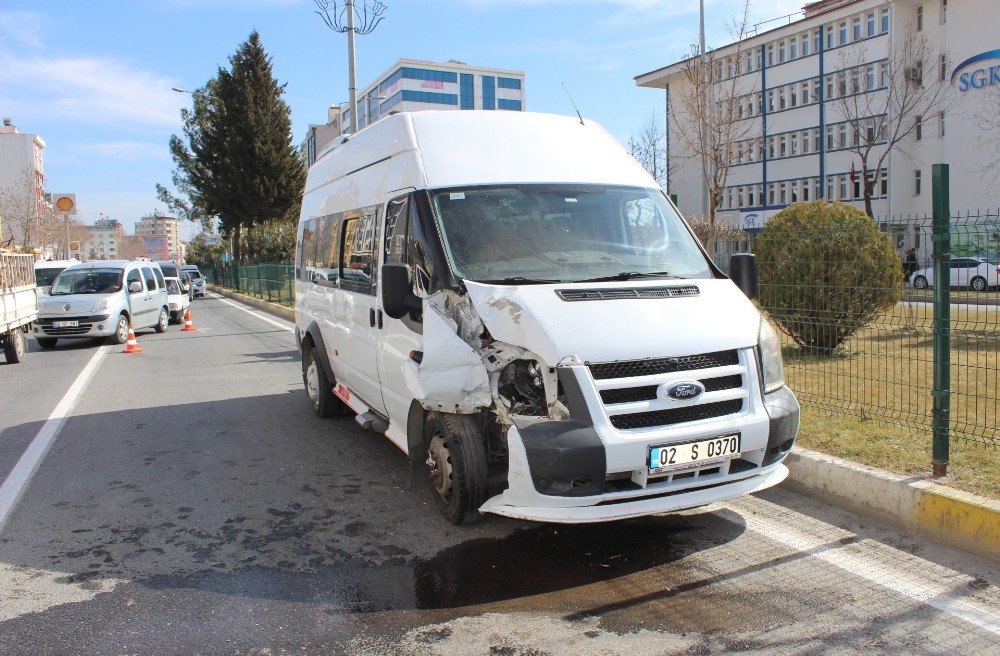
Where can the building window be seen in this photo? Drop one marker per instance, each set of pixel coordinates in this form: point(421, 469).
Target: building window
point(829, 188)
point(805, 142)
point(489, 92)
point(829, 137)
point(941, 124)
point(884, 74)
point(793, 49)
point(805, 190)
point(920, 18)
point(843, 187)
point(793, 96)
point(805, 45)
point(943, 66)
point(856, 27)
point(770, 55)
point(430, 97)
point(781, 52)
point(829, 36)
point(739, 197)
point(870, 77)
point(750, 196)
point(829, 87)
point(794, 143)
point(781, 98)
point(870, 131)
point(770, 194)
point(782, 146)
point(918, 73)
point(916, 182)
point(842, 136)
point(770, 100)
point(817, 40)
point(856, 80)
point(843, 33)
point(885, 20)
point(944, 12)
point(466, 91)
point(429, 75)
point(918, 127)
point(513, 105)
point(805, 93)
point(508, 83)
point(871, 24)
point(842, 83)
point(770, 147)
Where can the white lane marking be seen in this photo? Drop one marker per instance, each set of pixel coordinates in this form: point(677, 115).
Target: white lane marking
point(905, 583)
point(20, 476)
point(260, 316)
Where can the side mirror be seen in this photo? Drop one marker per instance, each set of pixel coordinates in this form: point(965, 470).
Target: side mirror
point(398, 298)
point(743, 272)
point(135, 287)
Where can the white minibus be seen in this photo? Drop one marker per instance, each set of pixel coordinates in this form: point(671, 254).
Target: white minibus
point(513, 301)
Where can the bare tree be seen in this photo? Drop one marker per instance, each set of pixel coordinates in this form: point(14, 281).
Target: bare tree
point(886, 103)
point(988, 121)
point(22, 205)
point(648, 147)
point(706, 111)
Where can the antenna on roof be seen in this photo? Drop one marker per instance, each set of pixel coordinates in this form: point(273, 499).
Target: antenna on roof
point(571, 102)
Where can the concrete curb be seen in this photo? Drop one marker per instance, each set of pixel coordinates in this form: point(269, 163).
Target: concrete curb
point(956, 518)
point(271, 308)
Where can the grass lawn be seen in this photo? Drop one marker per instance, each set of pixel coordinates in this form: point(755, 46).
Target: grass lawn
point(871, 401)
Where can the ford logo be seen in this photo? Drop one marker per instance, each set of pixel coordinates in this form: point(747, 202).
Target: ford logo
point(684, 391)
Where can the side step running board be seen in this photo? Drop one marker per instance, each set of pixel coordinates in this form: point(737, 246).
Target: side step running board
point(371, 421)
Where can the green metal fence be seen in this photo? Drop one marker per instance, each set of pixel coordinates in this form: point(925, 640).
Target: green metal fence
point(273, 282)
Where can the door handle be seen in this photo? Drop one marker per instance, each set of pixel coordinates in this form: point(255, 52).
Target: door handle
point(371, 317)
point(378, 318)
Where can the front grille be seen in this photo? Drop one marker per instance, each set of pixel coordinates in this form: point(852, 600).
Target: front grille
point(86, 323)
point(616, 293)
point(648, 392)
point(652, 367)
point(676, 415)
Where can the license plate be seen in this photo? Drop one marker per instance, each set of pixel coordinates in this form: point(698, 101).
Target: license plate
point(691, 454)
point(65, 324)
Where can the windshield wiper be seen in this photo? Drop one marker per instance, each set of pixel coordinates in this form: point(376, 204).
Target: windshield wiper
point(519, 280)
point(628, 275)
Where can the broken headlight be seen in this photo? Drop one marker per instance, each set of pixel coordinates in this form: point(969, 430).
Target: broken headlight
point(521, 386)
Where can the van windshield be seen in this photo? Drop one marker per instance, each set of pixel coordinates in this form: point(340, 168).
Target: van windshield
point(564, 233)
point(88, 281)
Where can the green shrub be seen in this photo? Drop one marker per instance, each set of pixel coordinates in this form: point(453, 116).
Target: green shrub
point(826, 271)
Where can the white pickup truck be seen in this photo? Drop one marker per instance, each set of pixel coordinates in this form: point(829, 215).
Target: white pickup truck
point(18, 303)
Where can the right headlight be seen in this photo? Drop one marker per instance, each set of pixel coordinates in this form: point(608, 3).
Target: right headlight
point(771, 364)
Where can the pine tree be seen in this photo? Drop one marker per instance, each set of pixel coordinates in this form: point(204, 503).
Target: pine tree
point(240, 163)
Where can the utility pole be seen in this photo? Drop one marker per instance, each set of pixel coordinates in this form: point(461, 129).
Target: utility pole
point(350, 64)
point(705, 77)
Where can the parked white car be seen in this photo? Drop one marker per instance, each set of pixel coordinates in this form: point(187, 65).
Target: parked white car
point(975, 273)
point(47, 270)
point(178, 301)
point(100, 299)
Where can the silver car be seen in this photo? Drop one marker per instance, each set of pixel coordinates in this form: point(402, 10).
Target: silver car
point(198, 280)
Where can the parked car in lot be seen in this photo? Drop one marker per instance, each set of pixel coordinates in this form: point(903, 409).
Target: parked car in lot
point(47, 270)
point(18, 304)
point(538, 327)
point(177, 301)
point(99, 300)
point(977, 274)
point(200, 284)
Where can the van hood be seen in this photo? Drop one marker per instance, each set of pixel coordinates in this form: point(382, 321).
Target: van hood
point(79, 304)
point(536, 317)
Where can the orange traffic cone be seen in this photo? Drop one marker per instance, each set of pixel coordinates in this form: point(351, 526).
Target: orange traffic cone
point(132, 346)
point(187, 322)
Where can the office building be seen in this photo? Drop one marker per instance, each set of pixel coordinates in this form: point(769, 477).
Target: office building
point(105, 241)
point(161, 236)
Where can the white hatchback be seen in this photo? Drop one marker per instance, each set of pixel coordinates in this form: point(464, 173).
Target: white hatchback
point(178, 301)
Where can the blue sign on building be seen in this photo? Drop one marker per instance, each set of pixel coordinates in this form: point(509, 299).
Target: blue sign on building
point(977, 78)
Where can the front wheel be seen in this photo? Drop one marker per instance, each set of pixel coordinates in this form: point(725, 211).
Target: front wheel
point(121, 331)
point(319, 388)
point(161, 325)
point(456, 459)
point(978, 284)
point(15, 345)
point(920, 282)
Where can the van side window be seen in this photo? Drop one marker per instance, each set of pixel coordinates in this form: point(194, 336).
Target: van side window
point(405, 244)
point(159, 278)
point(133, 276)
point(307, 255)
point(326, 250)
point(147, 273)
point(395, 231)
point(357, 254)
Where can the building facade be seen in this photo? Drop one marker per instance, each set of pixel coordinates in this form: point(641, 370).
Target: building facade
point(22, 175)
point(798, 140)
point(320, 136)
point(412, 85)
point(161, 236)
point(106, 240)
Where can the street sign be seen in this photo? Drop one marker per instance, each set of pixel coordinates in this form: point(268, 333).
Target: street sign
point(65, 203)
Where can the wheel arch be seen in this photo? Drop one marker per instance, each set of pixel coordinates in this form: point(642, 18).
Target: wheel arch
point(312, 339)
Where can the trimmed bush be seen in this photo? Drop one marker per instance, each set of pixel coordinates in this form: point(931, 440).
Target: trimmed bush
point(826, 271)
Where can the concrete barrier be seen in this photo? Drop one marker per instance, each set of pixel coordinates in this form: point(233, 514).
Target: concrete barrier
point(259, 303)
point(956, 518)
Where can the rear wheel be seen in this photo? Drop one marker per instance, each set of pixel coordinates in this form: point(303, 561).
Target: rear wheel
point(978, 284)
point(161, 325)
point(15, 345)
point(920, 282)
point(46, 342)
point(456, 459)
point(319, 388)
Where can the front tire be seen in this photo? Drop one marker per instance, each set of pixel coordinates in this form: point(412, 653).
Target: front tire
point(14, 346)
point(920, 282)
point(978, 284)
point(161, 325)
point(456, 458)
point(319, 389)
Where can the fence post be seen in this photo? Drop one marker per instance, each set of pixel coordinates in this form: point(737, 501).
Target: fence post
point(942, 319)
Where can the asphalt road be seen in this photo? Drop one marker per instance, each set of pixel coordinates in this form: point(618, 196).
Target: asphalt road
point(190, 503)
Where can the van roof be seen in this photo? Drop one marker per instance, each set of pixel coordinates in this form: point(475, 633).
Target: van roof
point(456, 148)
